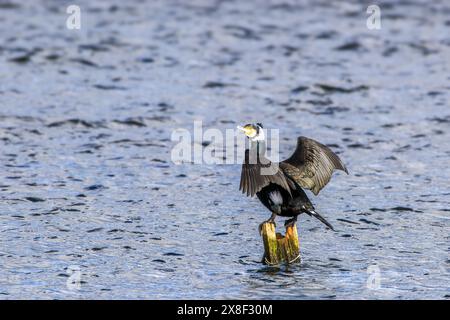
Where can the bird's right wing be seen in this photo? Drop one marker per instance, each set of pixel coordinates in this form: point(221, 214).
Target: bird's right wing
point(312, 164)
point(253, 178)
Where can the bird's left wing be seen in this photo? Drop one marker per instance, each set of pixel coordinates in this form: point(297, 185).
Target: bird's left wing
point(253, 177)
point(311, 165)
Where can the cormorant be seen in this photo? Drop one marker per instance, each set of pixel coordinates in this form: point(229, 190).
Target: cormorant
point(279, 186)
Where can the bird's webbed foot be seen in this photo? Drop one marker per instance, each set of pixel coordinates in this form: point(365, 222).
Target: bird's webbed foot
point(270, 220)
point(290, 222)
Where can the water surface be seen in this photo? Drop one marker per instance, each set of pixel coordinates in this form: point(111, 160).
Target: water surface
point(87, 181)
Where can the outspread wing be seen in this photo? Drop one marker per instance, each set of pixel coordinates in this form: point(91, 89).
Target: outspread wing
point(253, 177)
point(312, 164)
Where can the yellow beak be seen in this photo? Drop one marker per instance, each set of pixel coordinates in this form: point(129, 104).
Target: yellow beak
point(248, 130)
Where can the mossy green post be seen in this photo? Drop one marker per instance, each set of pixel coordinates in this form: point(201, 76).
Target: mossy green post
point(279, 248)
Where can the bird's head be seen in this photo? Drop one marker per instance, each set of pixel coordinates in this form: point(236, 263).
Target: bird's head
point(253, 131)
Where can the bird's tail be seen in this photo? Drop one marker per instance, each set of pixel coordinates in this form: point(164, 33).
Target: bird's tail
point(314, 214)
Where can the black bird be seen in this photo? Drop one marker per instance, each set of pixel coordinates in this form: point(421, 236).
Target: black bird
point(279, 186)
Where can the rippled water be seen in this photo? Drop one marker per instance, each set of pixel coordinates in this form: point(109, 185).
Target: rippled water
point(85, 124)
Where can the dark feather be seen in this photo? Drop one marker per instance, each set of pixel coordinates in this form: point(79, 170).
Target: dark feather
point(316, 215)
point(252, 179)
point(312, 164)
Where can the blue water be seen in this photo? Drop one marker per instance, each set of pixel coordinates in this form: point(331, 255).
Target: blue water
point(87, 182)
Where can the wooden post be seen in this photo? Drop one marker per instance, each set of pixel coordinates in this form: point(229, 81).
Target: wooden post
point(279, 248)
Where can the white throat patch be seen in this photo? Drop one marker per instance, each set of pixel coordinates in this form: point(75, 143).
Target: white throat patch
point(260, 136)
